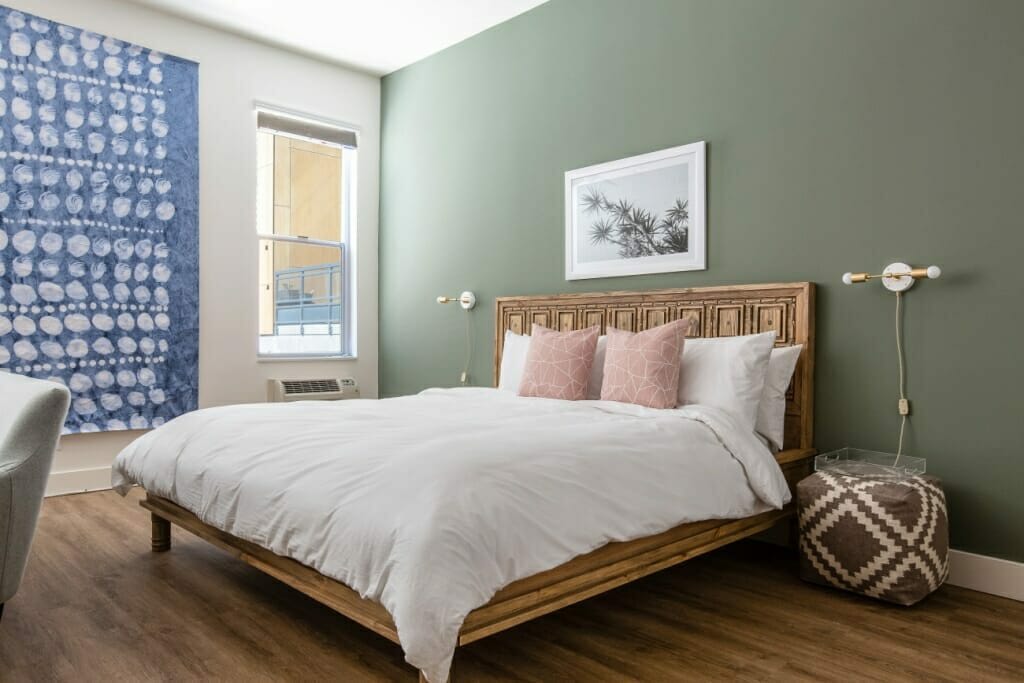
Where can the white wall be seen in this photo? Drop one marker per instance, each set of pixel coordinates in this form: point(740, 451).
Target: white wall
point(234, 73)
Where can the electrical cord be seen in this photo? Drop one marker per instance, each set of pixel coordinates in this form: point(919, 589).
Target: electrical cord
point(899, 356)
point(464, 377)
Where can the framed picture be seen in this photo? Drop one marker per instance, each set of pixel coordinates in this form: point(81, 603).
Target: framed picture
point(643, 214)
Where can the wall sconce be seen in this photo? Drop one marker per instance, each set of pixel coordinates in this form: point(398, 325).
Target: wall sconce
point(897, 277)
point(467, 300)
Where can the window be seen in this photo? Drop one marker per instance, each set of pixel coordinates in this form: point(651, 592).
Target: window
point(304, 219)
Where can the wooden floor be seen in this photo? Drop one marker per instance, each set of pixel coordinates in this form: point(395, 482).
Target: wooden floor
point(97, 605)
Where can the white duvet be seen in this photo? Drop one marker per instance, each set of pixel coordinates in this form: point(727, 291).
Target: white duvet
point(429, 504)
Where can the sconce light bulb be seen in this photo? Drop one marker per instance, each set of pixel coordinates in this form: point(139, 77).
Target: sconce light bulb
point(848, 278)
point(934, 272)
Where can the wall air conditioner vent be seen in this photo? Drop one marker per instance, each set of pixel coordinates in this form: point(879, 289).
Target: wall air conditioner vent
point(308, 386)
point(329, 389)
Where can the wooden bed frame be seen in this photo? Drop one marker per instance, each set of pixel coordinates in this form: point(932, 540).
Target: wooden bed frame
point(713, 312)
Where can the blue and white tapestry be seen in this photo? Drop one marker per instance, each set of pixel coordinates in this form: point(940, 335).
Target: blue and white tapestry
point(99, 208)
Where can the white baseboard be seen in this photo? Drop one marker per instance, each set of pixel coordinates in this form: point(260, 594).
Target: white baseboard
point(987, 574)
point(78, 481)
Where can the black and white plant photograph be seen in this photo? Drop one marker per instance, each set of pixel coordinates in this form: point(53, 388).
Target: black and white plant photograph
point(643, 214)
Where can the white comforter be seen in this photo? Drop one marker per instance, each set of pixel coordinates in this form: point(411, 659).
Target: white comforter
point(429, 504)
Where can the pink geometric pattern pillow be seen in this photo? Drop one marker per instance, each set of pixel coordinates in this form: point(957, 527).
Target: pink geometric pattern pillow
point(558, 363)
point(643, 368)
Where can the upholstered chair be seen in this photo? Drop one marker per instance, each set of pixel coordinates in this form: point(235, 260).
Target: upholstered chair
point(32, 412)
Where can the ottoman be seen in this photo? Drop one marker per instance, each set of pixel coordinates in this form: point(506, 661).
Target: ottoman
point(887, 538)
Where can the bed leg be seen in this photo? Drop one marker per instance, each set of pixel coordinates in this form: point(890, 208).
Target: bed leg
point(161, 534)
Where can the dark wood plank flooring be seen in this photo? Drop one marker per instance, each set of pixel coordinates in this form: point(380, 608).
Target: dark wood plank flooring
point(97, 605)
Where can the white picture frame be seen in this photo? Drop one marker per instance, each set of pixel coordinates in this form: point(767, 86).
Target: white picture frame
point(639, 215)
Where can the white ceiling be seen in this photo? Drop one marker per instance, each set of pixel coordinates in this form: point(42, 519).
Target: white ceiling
point(378, 36)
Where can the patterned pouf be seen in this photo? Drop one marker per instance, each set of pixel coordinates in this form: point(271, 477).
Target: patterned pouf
point(884, 538)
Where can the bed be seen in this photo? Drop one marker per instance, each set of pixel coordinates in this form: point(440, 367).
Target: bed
point(422, 563)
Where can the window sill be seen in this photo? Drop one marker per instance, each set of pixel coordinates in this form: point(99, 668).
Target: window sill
point(293, 359)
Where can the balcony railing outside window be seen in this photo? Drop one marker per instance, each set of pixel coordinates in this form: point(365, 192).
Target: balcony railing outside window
point(308, 300)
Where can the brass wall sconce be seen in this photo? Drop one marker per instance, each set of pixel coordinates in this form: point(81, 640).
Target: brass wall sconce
point(897, 277)
point(467, 300)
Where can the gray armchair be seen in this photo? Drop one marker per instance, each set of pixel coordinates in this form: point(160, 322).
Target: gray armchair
point(32, 413)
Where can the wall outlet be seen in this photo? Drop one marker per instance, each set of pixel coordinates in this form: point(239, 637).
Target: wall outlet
point(904, 406)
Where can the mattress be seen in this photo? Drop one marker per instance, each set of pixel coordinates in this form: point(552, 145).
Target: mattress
point(429, 504)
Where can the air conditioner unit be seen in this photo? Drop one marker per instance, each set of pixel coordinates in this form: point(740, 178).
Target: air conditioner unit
point(285, 390)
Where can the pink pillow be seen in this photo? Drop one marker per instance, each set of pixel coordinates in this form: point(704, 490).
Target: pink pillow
point(558, 363)
point(643, 368)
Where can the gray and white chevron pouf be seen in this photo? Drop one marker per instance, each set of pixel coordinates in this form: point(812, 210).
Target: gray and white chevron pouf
point(884, 538)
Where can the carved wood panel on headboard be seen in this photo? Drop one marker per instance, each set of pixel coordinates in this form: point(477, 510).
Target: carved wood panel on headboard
point(712, 311)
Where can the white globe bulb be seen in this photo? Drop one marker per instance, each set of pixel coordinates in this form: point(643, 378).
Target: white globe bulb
point(847, 278)
point(934, 272)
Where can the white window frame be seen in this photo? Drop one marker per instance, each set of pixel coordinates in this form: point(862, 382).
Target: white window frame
point(346, 244)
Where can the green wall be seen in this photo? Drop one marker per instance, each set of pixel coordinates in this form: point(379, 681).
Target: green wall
point(842, 135)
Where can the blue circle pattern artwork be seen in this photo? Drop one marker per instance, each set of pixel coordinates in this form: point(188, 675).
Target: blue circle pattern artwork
point(99, 262)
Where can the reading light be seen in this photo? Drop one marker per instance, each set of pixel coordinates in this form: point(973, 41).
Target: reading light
point(467, 300)
point(897, 277)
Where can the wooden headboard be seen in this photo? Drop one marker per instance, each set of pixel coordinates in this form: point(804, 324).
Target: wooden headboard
point(712, 311)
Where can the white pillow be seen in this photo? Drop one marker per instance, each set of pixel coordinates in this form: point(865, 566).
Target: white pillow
point(771, 413)
point(513, 361)
point(726, 373)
